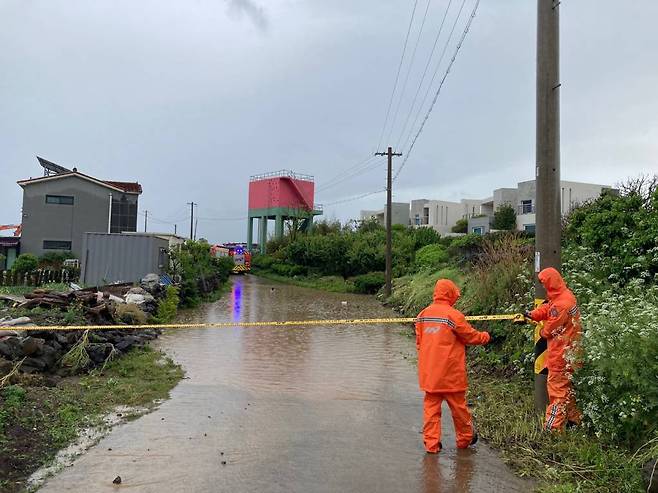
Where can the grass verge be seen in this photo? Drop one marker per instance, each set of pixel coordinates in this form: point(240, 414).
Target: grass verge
point(38, 418)
point(574, 461)
point(334, 284)
point(21, 290)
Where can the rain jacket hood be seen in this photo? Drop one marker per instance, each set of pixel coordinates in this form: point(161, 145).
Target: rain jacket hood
point(446, 291)
point(553, 282)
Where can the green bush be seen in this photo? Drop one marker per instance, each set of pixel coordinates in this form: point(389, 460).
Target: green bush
point(368, 283)
point(504, 218)
point(432, 256)
point(461, 226)
point(424, 236)
point(55, 260)
point(168, 306)
point(26, 262)
point(200, 274)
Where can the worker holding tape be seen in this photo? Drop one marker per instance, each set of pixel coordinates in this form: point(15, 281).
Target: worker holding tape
point(442, 334)
point(561, 329)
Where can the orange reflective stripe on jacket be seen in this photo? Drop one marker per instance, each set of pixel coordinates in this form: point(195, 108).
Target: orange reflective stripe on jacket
point(561, 318)
point(442, 333)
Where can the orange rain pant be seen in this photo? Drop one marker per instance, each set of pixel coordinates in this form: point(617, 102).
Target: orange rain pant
point(562, 401)
point(461, 418)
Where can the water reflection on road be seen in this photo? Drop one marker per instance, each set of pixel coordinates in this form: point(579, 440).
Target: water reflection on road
point(284, 409)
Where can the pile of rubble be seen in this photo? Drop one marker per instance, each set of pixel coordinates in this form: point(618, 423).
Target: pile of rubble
point(44, 351)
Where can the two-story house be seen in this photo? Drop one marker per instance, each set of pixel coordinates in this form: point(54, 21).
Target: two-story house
point(62, 205)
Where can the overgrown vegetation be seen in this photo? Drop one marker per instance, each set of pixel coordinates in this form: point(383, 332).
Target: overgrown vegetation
point(200, 274)
point(37, 418)
point(353, 253)
point(610, 260)
point(25, 262)
point(504, 218)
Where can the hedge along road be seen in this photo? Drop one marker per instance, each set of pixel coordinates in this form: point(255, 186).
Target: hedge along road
point(287, 409)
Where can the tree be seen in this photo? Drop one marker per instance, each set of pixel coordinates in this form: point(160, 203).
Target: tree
point(460, 226)
point(504, 218)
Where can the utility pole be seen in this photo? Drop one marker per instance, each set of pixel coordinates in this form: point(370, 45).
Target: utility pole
point(548, 220)
point(389, 224)
point(191, 204)
point(146, 217)
point(175, 229)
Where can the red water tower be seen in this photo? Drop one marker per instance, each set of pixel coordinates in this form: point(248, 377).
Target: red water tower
point(280, 196)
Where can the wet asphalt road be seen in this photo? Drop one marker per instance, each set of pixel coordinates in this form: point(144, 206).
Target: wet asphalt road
point(316, 409)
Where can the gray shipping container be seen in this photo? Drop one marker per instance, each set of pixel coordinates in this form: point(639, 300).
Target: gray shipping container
point(113, 257)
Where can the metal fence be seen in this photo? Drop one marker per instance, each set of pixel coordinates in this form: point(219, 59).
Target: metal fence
point(38, 277)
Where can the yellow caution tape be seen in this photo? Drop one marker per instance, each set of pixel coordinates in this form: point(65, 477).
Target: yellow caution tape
point(344, 321)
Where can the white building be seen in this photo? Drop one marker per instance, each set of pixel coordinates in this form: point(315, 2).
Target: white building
point(523, 199)
point(442, 215)
point(399, 214)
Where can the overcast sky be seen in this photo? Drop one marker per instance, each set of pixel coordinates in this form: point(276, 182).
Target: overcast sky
point(191, 97)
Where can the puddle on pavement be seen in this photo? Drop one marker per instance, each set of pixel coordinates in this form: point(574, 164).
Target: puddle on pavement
point(286, 409)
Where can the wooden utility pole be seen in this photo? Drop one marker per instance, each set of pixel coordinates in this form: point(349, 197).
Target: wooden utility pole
point(548, 219)
point(389, 224)
point(146, 217)
point(191, 204)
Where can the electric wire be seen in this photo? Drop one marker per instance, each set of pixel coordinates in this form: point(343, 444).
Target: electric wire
point(354, 170)
point(422, 78)
point(438, 91)
point(397, 77)
point(436, 71)
point(353, 198)
point(371, 165)
point(406, 78)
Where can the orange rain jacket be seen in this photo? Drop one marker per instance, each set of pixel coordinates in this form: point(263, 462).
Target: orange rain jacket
point(561, 318)
point(442, 333)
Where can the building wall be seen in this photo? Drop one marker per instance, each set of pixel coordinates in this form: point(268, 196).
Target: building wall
point(399, 210)
point(505, 196)
point(418, 214)
point(443, 214)
point(60, 222)
point(479, 225)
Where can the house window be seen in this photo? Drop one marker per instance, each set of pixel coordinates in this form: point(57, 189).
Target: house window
point(124, 215)
point(478, 230)
point(529, 228)
point(417, 220)
point(59, 199)
point(56, 245)
point(426, 215)
point(526, 207)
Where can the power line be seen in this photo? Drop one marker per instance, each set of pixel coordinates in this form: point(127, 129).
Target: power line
point(368, 165)
point(397, 77)
point(355, 197)
point(438, 91)
point(436, 71)
point(406, 79)
point(422, 79)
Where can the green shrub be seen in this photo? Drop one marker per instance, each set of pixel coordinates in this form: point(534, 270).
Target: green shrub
point(26, 262)
point(616, 386)
point(55, 260)
point(168, 306)
point(431, 256)
point(200, 274)
point(504, 218)
point(424, 236)
point(369, 283)
point(263, 262)
point(461, 226)
point(412, 293)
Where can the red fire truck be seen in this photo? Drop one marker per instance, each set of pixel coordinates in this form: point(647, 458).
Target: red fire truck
point(238, 252)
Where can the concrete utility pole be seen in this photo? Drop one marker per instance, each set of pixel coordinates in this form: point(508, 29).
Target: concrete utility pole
point(146, 217)
point(191, 204)
point(548, 220)
point(389, 226)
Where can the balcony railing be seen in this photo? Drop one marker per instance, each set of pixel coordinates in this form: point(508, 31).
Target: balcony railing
point(525, 209)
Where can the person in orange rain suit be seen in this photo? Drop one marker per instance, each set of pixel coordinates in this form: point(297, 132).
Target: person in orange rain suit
point(442, 334)
point(561, 329)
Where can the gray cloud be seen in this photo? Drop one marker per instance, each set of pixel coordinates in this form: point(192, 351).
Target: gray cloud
point(254, 12)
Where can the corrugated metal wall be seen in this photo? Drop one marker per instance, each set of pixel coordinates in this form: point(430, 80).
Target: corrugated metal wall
point(108, 258)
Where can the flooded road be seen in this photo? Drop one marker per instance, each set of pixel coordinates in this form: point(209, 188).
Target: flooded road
point(316, 409)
